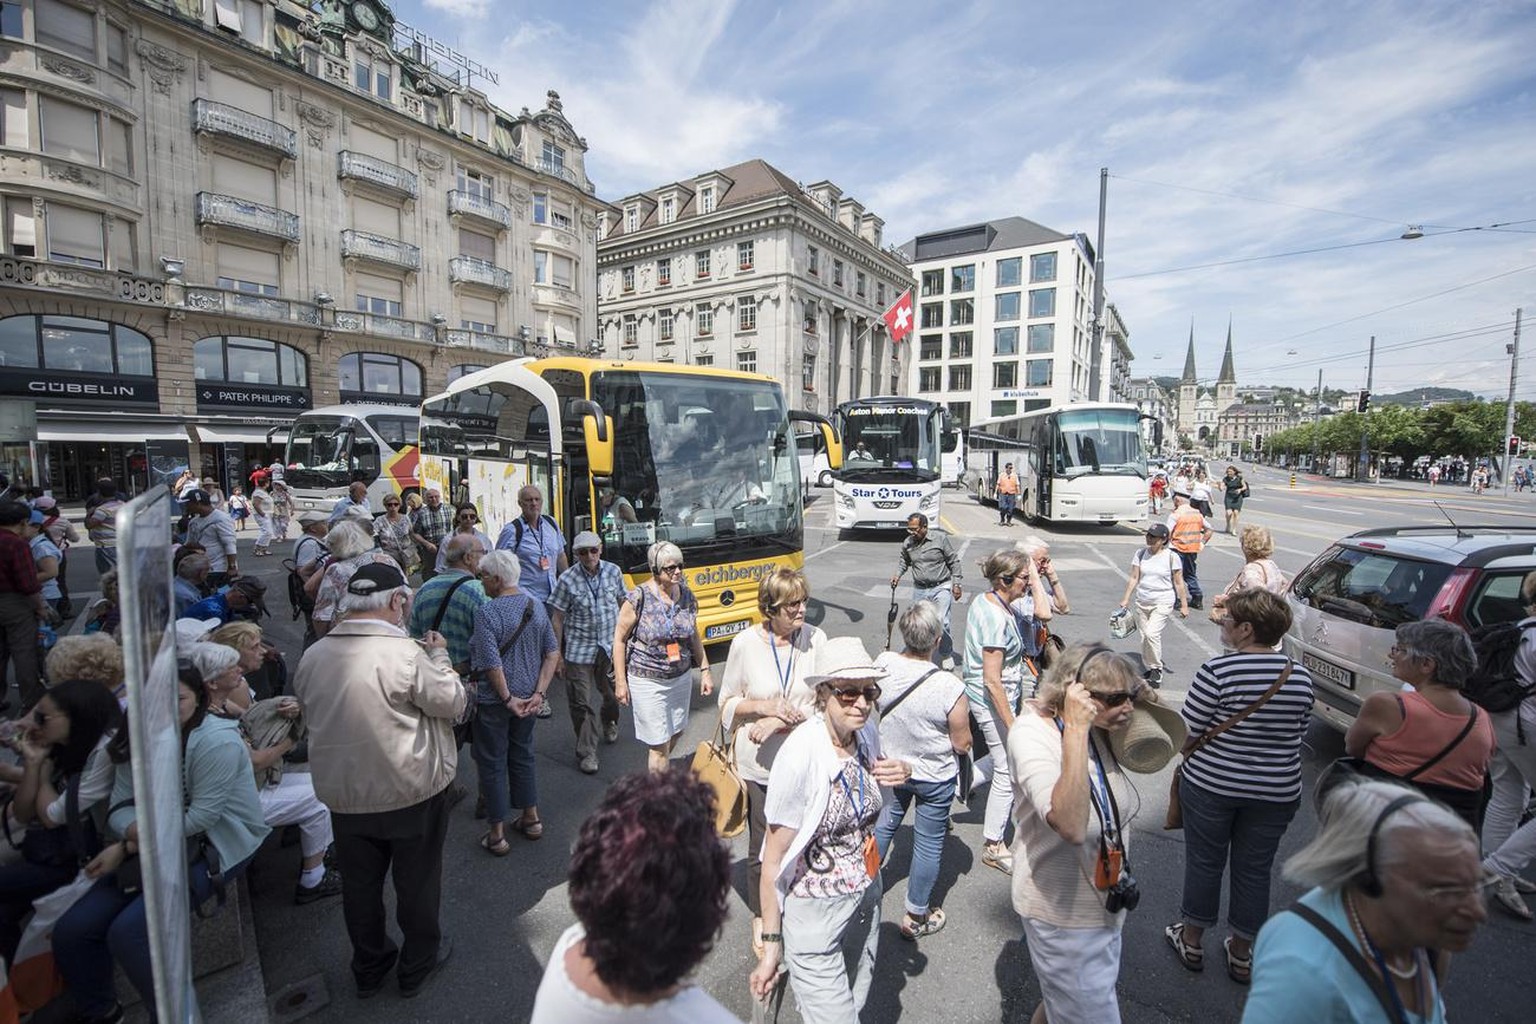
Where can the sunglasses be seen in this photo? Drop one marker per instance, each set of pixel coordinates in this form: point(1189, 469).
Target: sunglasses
point(468, 516)
point(1007, 581)
point(391, 504)
point(849, 696)
point(675, 567)
point(1115, 699)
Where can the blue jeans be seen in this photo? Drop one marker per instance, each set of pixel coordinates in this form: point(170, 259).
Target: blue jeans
point(943, 599)
point(1251, 831)
point(503, 751)
point(928, 833)
point(1189, 565)
point(104, 925)
point(1006, 504)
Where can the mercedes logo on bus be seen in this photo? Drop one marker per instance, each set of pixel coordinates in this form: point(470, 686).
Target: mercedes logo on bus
point(727, 598)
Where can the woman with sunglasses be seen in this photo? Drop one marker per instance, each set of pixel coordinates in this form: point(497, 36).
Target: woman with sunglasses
point(465, 520)
point(1240, 790)
point(1072, 882)
point(820, 890)
point(1157, 580)
point(351, 547)
point(655, 646)
point(393, 532)
point(999, 641)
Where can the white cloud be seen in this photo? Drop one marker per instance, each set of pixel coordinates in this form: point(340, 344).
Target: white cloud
point(461, 8)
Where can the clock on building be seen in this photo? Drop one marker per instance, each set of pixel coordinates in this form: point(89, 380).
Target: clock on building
point(366, 17)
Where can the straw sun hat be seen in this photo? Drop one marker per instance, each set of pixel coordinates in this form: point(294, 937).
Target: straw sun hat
point(1155, 734)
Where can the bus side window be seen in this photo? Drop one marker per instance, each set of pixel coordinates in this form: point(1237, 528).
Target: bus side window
point(365, 457)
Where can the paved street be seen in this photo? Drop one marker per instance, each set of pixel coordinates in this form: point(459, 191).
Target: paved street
point(505, 915)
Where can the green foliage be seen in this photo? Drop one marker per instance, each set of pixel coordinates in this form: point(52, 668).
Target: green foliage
point(1470, 428)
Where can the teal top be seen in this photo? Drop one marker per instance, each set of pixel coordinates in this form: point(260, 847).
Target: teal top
point(989, 623)
point(1298, 975)
point(220, 795)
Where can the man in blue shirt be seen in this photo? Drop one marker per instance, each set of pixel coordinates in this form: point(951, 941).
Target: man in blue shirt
point(357, 497)
point(538, 544)
point(585, 613)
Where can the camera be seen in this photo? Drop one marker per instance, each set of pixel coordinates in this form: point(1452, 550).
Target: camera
point(1123, 895)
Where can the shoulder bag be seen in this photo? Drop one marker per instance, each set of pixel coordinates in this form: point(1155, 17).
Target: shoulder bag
point(1470, 803)
point(714, 762)
point(906, 693)
point(1175, 818)
point(468, 714)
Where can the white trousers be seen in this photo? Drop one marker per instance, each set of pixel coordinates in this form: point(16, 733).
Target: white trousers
point(1000, 797)
point(293, 802)
point(1510, 846)
point(1077, 969)
point(829, 948)
point(1150, 622)
point(263, 530)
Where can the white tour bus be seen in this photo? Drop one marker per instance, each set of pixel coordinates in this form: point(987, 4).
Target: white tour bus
point(330, 447)
point(892, 461)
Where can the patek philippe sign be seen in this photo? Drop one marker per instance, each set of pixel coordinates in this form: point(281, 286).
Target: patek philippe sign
point(51, 389)
point(223, 395)
point(379, 398)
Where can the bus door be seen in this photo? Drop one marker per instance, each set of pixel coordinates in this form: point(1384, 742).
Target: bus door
point(1042, 464)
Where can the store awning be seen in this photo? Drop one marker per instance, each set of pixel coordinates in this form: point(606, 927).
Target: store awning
point(235, 433)
point(120, 433)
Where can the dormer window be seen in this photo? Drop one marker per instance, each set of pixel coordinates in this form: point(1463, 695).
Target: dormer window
point(372, 75)
point(632, 217)
point(475, 121)
point(668, 210)
point(553, 157)
point(707, 199)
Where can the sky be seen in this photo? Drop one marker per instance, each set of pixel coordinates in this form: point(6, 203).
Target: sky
point(1265, 159)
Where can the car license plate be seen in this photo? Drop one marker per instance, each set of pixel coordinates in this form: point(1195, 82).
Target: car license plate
point(1336, 674)
point(726, 629)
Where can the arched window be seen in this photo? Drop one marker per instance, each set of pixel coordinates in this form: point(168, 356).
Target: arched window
point(74, 344)
point(376, 373)
point(238, 360)
point(480, 402)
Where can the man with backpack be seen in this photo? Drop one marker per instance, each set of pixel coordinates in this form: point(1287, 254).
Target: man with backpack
point(1505, 686)
point(536, 540)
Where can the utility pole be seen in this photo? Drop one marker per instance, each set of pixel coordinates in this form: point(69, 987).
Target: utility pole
point(1096, 358)
point(1317, 419)
point(1513, 348)
point(1365, 428)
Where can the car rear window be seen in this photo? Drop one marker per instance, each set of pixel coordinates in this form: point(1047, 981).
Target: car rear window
point(1374, 588)
point(1497, 599)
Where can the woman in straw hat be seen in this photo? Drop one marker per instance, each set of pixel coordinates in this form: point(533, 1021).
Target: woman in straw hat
point(1240, 790)
point(821, 868)
point(1071, 879)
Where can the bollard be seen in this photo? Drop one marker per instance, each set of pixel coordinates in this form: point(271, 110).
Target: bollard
point(1293, 479)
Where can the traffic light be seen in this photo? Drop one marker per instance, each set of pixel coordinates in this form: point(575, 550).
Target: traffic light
point(1514, 444)
point(1258, 442)
point(1364, 402)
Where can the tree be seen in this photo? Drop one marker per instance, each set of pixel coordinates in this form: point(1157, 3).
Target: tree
point(1397, 430)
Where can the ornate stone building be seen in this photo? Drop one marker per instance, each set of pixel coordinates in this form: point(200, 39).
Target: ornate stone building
point(1200, 409)
point(742, 268)
point(220, 212)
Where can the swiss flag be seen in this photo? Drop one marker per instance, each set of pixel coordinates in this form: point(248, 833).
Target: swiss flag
point(898, 319)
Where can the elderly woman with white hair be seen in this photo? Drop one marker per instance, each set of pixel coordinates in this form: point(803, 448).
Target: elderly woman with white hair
point(1396, 888)
point(271, 728)
point(512, 655)
point(1039, 549)
point(655, 647)
point(351, 546)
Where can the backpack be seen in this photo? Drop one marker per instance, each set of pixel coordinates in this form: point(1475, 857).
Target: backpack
point(1493, 685)
point(517, 537)
point(298, 599)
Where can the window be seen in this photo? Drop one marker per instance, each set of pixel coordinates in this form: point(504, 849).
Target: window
point(933, 315)
point(707, 199)
point(1038, 372)
point(929, 378)
point(483, 186)
point(15, 130)
point(668, 210)
point(813, 263)
point(745, 255)
point(374, 77)
point(10, 19)
point(837, 273)
point(632, 217)
point(746, 362)
point(75, 236)
point(631, 329)
point(746, 313)
point(808, 372)
point(960, 345)
point(553, 157)
point(1007, 306)
point(860, 284)
point(234, 177)
point(959, 378)
point(664, 271)
point(562, 271)
point(962, 279)
point(701, 264)
point(627, 276)
point(704, 359)
point(933, 282)
point(378, 373)
point(664, 324)
point(247, 270)
point(376, 218)
point(69, 131)
point(540, 208)
point(20, 227)
point(1005, 341)
point(1042, 338)
point(1042, 302)
point(1005, 375)
point(478, 315)
point(540, 267)
point(481, 247)
point(960, 412)
point(75, 344)
point(704, 320)
point(1008, 408)
point(1009, 271)
point(464, 370)
point(380, 295)
point(65, 27)
point(560, 213)
point(1042, 267)
point(880, 295)
point(931, 346)
point(250, 361)
point(119, 148)
point(962, 311)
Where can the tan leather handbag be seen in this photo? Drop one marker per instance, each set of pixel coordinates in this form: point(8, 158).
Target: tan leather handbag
point(714, 762)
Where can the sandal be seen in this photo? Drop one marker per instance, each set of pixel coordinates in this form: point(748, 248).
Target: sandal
point(1239, 968)
point(1192, 957)
point(915, 928)
point(532, 830)
point(496, 846)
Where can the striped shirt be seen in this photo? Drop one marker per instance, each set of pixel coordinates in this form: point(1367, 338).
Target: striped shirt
point(1260, 757)
point(590, 605)
point(458, 622)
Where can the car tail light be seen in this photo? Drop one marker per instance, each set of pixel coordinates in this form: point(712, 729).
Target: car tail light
point(1451, 602)
point(1374, 545)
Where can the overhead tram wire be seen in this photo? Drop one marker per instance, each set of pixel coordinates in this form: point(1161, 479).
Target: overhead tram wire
point(1489, 331)
point(1410, 302)
point(1255, 199)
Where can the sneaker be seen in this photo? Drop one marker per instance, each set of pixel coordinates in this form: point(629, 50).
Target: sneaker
point(611, 732)
point(1154, 677)
point(1507, 896)
point(997, 855)
point(589, 764)
point(329, 885)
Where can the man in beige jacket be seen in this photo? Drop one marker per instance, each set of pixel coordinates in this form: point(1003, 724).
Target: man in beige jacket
point(381, 708)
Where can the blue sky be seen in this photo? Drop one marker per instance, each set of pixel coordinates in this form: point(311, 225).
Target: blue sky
point(1337, 123)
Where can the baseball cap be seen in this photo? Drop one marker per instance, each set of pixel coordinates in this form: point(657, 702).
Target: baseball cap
point(190, 631)
point(254, 590)
point(44, 503)
point(1158, 530)
point(313, 516)
point(374, 577)
point(1181, 493)
point(586, 539)
point(199, 497)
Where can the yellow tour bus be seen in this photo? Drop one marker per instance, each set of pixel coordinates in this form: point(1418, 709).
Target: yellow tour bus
point(638, 453)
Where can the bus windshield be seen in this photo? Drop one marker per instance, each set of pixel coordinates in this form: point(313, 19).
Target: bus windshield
point(889, 442)
point(318, 452)
point(708, 461)
point(1100, 441)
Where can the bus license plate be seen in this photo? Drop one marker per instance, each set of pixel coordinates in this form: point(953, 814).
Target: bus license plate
point(726, 629)
point(1336, 674)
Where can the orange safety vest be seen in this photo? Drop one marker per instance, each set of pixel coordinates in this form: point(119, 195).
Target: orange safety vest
point(1188, 533)
point(1008, 484)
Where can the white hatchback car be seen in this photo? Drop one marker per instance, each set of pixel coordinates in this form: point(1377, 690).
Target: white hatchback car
point(1349, 601)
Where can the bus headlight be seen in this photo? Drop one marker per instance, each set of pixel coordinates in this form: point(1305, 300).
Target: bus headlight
point(845, 501)
point(929, 502)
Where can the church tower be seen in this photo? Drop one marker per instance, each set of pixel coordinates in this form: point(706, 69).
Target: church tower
point(1188, 388)
point(1226, 384)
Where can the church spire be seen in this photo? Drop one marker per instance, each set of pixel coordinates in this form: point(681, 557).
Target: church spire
point(1228, 373)
point(1189, 359)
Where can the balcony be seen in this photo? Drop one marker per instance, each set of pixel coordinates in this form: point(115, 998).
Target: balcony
point(222, 121)
point(558, 170)
point(389, 252)
point(380, 174)
point(244, 215)
point(469, 204)
point(497, 343)
point(470, 270)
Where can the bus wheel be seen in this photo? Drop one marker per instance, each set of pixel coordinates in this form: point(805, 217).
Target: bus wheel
point(825, 479)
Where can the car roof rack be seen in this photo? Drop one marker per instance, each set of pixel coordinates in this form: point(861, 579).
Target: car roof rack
point(1458, 529)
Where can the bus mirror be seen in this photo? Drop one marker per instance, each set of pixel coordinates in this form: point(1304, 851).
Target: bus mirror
point(597, 431)
point(834, 447)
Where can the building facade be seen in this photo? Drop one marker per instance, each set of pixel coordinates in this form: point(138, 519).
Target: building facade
point(1154, 402)
point(744, 269)
point(1004, 317)
point(1242, 427)
point(218, 213)
point(1117, 356)
point(1200, 409)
